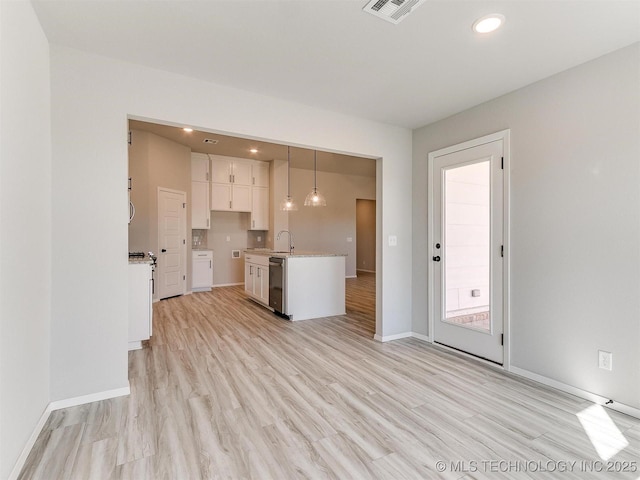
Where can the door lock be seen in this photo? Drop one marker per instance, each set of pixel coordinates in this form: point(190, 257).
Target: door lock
point(164, 250)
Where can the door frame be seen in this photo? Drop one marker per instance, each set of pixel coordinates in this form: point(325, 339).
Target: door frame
point(503, 135)
point(184, 236)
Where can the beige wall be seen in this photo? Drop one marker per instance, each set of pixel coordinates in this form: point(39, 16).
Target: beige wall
point(156, 162)
point(327, 228)
point(366, 235)
point(234, 226)
point(575, 205)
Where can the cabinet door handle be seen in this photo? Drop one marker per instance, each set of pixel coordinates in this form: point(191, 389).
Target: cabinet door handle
point(230, 181)
point(207, 176)
point(210, 265)
point(250, 269)
point(259, 272)
point(207, 222)
point(230, 205)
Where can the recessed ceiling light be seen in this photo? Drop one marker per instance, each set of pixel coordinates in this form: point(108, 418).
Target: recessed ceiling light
point(488, 23)
point(254, 150)
point(187, 129)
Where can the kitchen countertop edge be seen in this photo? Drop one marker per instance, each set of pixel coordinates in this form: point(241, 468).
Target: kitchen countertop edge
point(270, 253)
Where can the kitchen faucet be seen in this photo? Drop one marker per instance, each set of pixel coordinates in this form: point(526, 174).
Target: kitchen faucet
point(291, 247)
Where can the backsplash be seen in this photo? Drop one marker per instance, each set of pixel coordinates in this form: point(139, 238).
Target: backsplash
point(199, 238)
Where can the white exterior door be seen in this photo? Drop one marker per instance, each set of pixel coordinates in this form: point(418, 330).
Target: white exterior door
point(172, 235)
point(467, 249)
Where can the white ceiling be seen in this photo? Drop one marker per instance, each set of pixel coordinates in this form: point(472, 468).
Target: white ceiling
point(333, 55)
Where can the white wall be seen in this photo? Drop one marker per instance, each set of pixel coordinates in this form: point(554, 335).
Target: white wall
point(25, 228)
point(326, 229)
point(575, 229)
point(92, 97)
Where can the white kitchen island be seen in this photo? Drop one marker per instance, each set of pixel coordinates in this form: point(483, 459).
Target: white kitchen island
point(314, 283)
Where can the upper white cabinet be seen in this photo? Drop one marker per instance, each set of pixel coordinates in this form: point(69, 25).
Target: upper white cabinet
point(199, 167)
point(260, 174)
point(200, 204)
point(260, 196)
point(231, 181)
point(200, 210)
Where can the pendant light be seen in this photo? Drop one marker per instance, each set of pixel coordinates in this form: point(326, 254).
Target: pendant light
point(288, 205)
point(315, 198)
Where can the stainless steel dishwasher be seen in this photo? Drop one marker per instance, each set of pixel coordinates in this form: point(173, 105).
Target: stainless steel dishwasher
point(277, 290)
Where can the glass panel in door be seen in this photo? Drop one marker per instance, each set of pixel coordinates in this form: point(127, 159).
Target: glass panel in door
point(467, 245)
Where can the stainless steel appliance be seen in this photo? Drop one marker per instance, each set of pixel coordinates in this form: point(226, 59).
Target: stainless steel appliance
point(277, 291)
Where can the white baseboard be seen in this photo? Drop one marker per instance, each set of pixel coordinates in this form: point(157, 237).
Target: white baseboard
point(93, 397)
point(30, 443)
point(421, 336)
point(389, 338)
point(366, 271)
point(57, 405)
point(228, 284)
point(578, 392)
point(351, 276)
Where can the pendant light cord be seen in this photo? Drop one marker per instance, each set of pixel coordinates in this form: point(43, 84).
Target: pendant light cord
point(315, 171)
point(288, 171)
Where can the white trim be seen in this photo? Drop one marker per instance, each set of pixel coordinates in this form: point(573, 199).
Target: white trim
point(200, 289)
point(366, 271)
point(351, 276)
point(227, 285)
point(57, 405)
point(421, 336)
point(137, 345)
point(17, 468)
point(578, 392)
point(505, 136)
point(389, 338)
point(92, 397)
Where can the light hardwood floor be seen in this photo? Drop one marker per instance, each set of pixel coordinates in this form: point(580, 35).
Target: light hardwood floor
point(226, 389)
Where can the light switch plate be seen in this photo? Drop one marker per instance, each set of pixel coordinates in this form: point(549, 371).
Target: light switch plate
point(393, 241)
point(349, 239)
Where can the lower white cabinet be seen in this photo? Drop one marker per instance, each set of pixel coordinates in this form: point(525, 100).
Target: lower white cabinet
point(202, 270)
point(256, 277)
point(140, 304)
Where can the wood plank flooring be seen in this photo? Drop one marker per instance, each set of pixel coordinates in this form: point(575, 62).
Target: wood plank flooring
point(227, 390)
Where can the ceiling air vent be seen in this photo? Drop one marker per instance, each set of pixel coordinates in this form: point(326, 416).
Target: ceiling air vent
point(211, 141)
point(392, 10)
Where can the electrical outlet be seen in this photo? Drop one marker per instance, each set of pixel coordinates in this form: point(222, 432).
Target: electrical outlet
point(605, 360)
point(228, 238)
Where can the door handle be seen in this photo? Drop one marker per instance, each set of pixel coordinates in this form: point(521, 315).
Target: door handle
point(436, 258)
point(164, 250)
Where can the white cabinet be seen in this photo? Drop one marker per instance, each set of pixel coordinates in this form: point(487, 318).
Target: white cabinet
point(202, 270)
point(140, 304)
point(200, 205)
point(260, 174)
point(259, 209)
point(199, 167)
point(256, 277)
point(260, 196)
point(200, 209)
point(231, 181)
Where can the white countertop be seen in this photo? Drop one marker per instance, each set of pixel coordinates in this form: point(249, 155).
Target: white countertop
point(270, 253)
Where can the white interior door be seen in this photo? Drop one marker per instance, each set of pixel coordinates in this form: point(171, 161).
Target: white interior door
point(467, 250)
point(172, 235)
